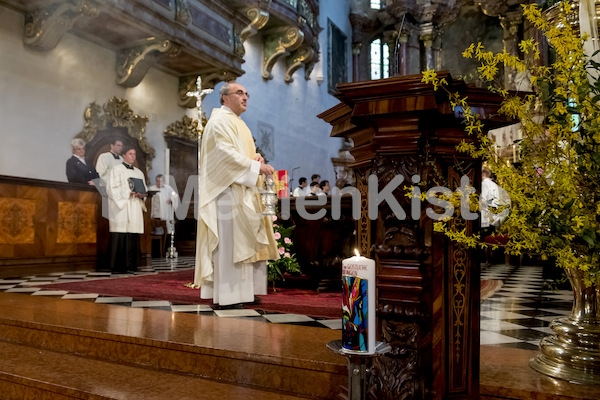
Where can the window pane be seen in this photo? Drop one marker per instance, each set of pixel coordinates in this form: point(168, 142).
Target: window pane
point(376, 4)
point(376, 59)
point(386, 61)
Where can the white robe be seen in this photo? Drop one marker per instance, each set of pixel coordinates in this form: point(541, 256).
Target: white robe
point(125, 213)
point(105, 162)
point(161, 209)
point(489, 200)
point(233, 240)
point(299, 191)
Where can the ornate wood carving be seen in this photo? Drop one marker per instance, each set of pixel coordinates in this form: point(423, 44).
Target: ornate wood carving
point(427, 286)
point(46, 26)
point(186, 129)
point(278, 43)
point(116, 113)
point(133, 63)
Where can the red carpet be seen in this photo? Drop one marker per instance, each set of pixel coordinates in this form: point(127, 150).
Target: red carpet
point(169, 286)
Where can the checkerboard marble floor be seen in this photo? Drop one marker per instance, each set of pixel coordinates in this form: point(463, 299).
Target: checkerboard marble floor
point(34, 285)
point(517, 315)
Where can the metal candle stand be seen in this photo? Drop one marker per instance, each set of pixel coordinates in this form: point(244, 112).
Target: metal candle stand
point(358, 367)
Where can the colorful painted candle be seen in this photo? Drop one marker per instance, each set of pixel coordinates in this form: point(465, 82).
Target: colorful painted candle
point(358, 304)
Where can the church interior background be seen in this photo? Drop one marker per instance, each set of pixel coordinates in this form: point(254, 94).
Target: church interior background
point(95, 68)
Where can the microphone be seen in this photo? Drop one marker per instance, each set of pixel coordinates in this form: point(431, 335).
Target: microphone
point(290, 185)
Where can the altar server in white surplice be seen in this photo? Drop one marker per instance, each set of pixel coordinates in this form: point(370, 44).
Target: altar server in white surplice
point(234, 240)
point(164, 202)
point(125, 213)
point(109, 159)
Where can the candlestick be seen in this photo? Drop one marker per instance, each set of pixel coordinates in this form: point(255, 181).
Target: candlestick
point(167, 162)
point(358, 305)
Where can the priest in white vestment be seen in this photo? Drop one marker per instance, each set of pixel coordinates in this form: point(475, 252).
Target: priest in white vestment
point(164, 203)
point(234, 241)
point(126, 213)
point(109, 159)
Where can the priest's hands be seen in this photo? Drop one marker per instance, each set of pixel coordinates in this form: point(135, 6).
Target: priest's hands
point(139, 195)
point(266, 169)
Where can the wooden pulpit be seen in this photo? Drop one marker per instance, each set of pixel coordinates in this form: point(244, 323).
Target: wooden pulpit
point(427, 285)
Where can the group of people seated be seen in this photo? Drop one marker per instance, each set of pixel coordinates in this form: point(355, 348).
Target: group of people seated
point(318, 187)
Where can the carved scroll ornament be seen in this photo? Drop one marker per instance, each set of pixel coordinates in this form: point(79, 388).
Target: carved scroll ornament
point(302, 56)
point(279, 43)
point(134, 63)
point(258, 19)
point(46, 26)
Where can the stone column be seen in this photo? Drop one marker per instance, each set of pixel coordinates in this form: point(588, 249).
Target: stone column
point(389, 37)
point(356, 49)
point(511, 23)
point(426, 36)
point(402, 43)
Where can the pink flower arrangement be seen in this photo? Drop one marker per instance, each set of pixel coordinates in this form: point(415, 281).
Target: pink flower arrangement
point(287, 262)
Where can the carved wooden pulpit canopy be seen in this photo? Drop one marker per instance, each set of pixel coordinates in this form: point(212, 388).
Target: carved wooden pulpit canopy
point(427, 285)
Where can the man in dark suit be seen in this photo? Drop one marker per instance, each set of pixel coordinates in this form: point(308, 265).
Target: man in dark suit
point(78, 170)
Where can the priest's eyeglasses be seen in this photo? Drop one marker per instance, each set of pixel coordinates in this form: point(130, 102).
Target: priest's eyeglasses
point(239, 93)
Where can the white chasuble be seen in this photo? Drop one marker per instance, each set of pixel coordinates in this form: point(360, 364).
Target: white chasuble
point(232, 234)
point(125, 213)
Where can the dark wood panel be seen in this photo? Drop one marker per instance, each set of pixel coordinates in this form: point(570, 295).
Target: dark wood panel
point(48, 226)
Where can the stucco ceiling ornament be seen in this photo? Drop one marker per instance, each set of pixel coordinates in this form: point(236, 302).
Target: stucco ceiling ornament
point(46, 26)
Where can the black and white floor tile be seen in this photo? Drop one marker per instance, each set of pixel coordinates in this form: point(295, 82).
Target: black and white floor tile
point(34, 285)
point(518, 315)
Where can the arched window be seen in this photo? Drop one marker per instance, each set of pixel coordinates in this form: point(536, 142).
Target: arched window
point(380, 59)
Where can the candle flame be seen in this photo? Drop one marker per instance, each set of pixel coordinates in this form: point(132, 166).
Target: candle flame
point(357, 253)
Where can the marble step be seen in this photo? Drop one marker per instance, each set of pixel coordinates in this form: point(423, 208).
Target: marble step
point(286, 358)
point(31, 373)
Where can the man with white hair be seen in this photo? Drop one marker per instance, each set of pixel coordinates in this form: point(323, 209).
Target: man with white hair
point(78, 170)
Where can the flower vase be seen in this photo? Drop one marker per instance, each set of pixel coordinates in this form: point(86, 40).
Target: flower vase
point(573, 351)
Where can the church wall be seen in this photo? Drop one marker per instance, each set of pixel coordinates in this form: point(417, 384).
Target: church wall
point(44, 96)
point(288, 111)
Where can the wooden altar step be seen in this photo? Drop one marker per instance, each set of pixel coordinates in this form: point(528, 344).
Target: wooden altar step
point(56, 349)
